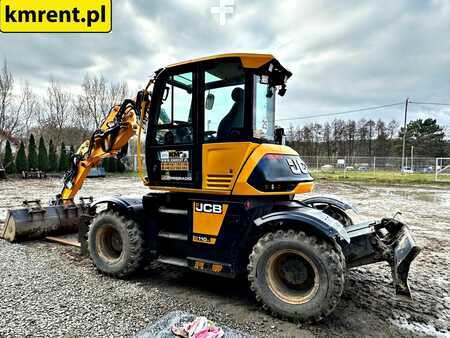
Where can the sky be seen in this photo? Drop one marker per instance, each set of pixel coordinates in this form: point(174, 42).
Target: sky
point(344, 55)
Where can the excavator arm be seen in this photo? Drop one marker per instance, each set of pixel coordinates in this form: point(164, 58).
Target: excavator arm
point(63, 215)
point(109, 140)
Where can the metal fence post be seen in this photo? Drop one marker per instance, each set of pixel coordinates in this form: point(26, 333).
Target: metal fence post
point(436, 170)
point(374, 164)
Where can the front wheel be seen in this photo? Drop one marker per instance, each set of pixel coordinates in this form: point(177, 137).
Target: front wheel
point(116, 244)
point(297, 276)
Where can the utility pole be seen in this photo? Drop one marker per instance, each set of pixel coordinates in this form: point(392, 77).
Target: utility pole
point(412, 158)
point(404, 134)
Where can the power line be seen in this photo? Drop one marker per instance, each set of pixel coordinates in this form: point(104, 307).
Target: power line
point(342, 112)
point(432, 103)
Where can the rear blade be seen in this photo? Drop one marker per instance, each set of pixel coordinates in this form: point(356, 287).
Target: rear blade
point(386, 240)
point(405, 250)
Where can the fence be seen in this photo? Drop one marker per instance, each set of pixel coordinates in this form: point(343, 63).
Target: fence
point(423, 165)
point(442, 169)
point(360, 163)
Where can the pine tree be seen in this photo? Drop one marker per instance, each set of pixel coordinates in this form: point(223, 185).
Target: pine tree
point(63, 159)
point(52, 157)
point(8, 160)
point(112, 165)
point(105, 164)
point(32, 154)
point(21, 159)
point(120, 166)
point(42, 155)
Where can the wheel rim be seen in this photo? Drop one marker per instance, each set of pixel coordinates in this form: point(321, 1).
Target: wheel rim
point(292, 276)
point(109, 244)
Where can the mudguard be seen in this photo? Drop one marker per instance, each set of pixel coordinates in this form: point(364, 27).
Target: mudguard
point(125, 204)
point(346, 210)
point(325, 224)
point(329, 200)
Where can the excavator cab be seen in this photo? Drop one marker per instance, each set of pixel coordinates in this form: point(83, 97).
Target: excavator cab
point(203, 108)
point(224, 193)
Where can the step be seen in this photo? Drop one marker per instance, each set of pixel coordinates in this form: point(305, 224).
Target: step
point(173, 211)
point(173, 235)
point(173, 261)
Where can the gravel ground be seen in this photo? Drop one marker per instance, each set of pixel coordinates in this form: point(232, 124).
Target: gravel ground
point(48, 290)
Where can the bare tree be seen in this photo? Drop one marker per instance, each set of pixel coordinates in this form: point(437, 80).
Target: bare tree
point(338, 127)
point(31, 108)
point(317, 136)
point(6, 98)
point(392, 129)
point(327, 138)
point(362, 132)
point(117, 92)
point(97, 98)
point(371, 126)
point(291, 133)
point(11, 117)
point(92, 102)
point(58, 110)
point(350, 136)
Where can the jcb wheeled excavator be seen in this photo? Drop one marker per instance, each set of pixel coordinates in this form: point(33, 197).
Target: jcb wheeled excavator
point(222, 193)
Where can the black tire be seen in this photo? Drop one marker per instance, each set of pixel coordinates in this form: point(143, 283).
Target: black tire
point(116, 244)
point(313, 286)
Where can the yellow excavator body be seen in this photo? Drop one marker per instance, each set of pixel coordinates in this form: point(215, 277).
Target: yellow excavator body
point(226, 186)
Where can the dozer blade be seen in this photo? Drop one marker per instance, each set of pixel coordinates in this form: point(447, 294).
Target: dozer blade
point(386, 240)
point(35, 221)
point(404, 252)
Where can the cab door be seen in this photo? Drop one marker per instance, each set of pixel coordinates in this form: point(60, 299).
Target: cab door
point(173, 160)
point(226, 115)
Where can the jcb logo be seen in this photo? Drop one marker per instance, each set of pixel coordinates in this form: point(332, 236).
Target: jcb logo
point(297, 166)
point(208, 208)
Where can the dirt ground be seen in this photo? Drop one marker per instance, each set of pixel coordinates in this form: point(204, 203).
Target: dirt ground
point(368, 306)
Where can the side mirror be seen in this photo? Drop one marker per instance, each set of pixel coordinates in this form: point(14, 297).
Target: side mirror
point(282, 90)
point(209, 104)
point(280, 138)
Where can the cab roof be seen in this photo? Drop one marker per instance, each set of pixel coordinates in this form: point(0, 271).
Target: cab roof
point(248, 60)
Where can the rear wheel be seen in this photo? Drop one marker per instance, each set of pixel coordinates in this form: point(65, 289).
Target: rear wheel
point(296, 276)
point(115, 244)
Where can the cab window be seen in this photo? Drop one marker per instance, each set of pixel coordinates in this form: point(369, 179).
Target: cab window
point(264, 110)
point(224, 102)
point(175, 117)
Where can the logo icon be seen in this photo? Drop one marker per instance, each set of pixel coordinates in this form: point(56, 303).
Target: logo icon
point(208, 208)
point(225, 7)
point(297, 166)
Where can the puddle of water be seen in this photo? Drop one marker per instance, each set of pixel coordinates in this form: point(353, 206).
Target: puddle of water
point(419, 328)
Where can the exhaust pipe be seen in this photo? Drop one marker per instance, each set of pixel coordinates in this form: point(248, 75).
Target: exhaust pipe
point(35, 221)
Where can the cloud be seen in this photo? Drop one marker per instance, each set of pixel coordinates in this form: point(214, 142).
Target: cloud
point(344, 55)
